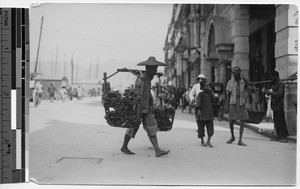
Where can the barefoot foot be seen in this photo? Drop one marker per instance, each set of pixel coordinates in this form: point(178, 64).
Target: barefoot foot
point(209, 144)
point(203, 144)
point(161, 153)
point(126, 151)
point(241, 143)
point(230, 140)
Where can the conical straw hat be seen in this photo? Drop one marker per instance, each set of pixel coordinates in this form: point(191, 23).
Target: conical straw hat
point(151, 62)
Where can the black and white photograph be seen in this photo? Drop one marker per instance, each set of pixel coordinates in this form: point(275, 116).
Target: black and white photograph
point(163, 94)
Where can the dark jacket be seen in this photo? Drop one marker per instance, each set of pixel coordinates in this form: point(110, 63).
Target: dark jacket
point(277, 96)
point(204, 104)
point(51, 89)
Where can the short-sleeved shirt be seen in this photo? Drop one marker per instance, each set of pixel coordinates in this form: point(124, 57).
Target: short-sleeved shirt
point(237, 90)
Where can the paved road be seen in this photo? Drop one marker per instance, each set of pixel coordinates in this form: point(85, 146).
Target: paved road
point(70, 143)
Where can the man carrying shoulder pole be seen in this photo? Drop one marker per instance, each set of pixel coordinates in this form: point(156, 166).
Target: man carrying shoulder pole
point(148, 119)
point(237, 89)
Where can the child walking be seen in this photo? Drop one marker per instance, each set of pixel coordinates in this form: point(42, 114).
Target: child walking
point(204, 115)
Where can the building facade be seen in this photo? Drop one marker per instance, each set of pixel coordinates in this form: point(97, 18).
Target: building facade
point(213, 38)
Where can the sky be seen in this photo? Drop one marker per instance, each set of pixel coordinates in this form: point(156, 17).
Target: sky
point(111, 36)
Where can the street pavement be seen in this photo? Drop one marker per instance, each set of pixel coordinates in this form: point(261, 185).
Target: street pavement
point(71, 143)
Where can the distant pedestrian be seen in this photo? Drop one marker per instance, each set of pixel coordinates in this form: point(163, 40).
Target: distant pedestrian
point(204, 111)
point(37, 93)
point(39, 90)
point(277, 105)
point(51, 91)
point(94, 93)
point(79, 92)
point(63, 93)
point(237, 90)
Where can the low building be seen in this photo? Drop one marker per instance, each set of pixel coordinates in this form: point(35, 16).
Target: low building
point(89, 84)
point(58, 82)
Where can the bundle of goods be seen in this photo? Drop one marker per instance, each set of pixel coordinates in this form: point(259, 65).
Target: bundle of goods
point(164, 117)
point(122, 110)
point(255, 116)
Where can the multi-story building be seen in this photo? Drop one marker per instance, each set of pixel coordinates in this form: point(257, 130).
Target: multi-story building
point(211, 39)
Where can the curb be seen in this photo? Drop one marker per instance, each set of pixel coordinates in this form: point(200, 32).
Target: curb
point(264, 132)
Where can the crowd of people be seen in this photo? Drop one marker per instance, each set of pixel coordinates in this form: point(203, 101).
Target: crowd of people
point(238, 92)
point(60, 94)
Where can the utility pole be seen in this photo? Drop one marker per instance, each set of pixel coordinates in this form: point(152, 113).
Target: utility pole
point(77, 68)
point(38, 50)
point(97, 71)
point(52, 63)
point(90, 72)
point(97, 67)
point(40, 68)
point(56, 58)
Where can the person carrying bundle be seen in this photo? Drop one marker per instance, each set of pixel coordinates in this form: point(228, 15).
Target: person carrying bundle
point(237, 89)
point(149, 123)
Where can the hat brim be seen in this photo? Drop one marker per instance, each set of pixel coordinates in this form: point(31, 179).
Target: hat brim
point(151, 63)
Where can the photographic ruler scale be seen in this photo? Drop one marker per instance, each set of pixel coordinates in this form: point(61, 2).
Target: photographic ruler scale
point(14, 96)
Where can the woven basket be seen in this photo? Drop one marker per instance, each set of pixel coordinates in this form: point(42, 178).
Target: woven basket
point(255, 116)
point(164, 117)
point(118, 114)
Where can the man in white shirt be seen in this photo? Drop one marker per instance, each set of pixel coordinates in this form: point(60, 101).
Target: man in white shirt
point(196, 89)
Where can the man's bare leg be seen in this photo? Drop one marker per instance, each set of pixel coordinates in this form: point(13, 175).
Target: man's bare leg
point(232, 132)
point(240, 142)
point(208, 142)
point(158, 151)
point(202, 142)
point(124, 147)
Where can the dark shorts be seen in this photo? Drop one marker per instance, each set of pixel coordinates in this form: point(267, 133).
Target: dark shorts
point(238, 112)
point(149, 124)
point(209, 128)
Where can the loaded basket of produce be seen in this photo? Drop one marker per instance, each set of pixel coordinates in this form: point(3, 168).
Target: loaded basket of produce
point(122, 109)
point(164, 114)
point(164, 117)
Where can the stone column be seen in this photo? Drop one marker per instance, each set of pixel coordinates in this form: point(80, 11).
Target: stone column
point(206, 70)
point(240, 38)
point(286, 54)
point(223, 71)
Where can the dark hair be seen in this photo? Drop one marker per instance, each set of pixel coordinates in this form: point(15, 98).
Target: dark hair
point(236, 70)
point(275, 73)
